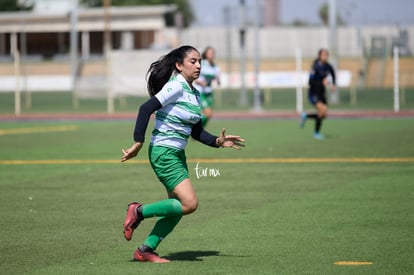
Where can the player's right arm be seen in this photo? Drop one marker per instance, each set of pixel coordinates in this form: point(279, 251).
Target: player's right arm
point(169, 93)
point(141, 124)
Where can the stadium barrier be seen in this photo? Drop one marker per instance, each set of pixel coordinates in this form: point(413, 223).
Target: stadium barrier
point(128, 71)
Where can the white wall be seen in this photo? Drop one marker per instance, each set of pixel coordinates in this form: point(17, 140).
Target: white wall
point(280, 42)
point(52, 6)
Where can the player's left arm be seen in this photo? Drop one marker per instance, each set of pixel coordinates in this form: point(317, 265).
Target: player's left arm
point(223, 140)
point(332, 72)
point(218, 76)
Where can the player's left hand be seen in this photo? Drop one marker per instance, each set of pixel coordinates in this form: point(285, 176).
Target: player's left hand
point(333, 88)
point(231, 141)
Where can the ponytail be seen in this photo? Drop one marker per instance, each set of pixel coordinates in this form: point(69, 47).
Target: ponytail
point(160, 71)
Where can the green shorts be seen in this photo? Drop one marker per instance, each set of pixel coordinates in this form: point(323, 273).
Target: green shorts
point(169, 165)
point(207, 100)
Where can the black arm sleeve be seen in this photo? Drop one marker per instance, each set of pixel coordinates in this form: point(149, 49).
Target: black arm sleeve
point(143, 117)
point(332, 71)
point(198, 133)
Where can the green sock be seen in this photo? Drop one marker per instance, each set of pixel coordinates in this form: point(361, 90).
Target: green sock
point(165, 208)
point(162, 228)
point(204, 120)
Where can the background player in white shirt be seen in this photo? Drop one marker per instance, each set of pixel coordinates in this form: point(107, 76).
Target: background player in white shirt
point(209, 72)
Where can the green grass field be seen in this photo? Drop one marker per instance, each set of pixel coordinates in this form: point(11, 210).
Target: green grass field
point(309, 205)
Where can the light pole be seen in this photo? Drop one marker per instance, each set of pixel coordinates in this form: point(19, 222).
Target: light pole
point(227, 22)
point(242, 33)
point(333, 44)
point(23, 52)
point(107, 52)
point(257, 101)
point(74, 50)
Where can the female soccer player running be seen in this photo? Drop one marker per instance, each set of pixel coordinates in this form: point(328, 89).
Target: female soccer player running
point(318, 80)
point(209, 72)
point(178, 116)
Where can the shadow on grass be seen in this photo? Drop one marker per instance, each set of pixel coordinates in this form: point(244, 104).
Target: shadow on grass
point(191, 255)
point(196, 255)
point(332, 136)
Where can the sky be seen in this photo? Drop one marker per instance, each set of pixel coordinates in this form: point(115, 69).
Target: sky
point(354, 12)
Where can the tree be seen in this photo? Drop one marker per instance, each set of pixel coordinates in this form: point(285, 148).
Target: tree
point(15, 5)
point(299, 23)
point(183, 6)
point(324, 15)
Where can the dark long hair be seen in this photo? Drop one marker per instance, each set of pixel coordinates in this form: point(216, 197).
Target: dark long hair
point(320, 51)
point(161, 70)
point(204, 54)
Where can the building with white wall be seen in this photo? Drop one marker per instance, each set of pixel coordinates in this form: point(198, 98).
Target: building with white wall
point(47, 33)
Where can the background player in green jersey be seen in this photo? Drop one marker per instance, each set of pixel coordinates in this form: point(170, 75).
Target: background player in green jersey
point(209, 72)
point(178, 117)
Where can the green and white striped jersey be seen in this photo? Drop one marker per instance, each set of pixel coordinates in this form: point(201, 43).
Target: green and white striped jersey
point(208, 73)
point(180, 111)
